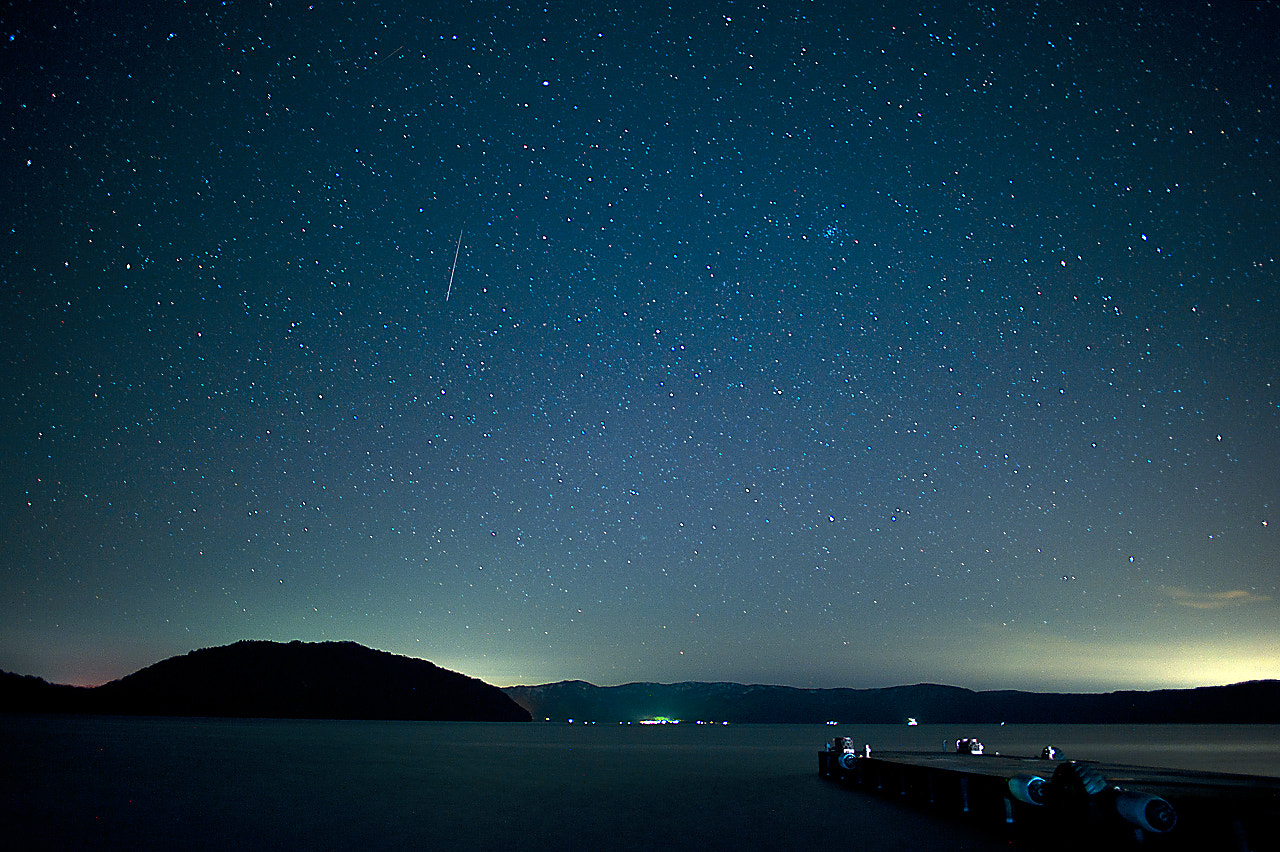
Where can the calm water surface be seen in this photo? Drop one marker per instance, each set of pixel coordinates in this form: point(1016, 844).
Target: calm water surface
point(132, 783)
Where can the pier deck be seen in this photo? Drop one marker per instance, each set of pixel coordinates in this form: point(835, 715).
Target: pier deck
point(1058, 804)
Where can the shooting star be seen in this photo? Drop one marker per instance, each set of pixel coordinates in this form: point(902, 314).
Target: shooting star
point(453, 268)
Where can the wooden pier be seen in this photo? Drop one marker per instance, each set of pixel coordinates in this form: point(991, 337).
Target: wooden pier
point(1049, 804)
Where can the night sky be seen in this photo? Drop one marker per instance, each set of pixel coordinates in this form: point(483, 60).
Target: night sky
point(820, 344)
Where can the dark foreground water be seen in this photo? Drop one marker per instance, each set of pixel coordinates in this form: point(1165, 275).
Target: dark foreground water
point(143, 784)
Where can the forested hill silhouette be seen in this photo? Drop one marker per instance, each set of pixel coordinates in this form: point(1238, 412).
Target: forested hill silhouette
point(326, 680)
point(1254, 702)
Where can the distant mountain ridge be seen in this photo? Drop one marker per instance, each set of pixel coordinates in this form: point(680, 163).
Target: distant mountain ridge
point(250, 679)
point(344, 680)
point(1253, 702)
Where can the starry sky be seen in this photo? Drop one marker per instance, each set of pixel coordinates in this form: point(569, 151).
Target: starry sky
point(812, 343)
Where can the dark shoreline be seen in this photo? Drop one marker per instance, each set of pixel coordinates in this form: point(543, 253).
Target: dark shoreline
point(1252, 702)
point(344, 680)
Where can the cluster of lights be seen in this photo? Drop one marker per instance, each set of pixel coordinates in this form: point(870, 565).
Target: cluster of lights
point(656, 720)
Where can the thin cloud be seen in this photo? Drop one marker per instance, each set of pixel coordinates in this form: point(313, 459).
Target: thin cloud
point(1213, 600)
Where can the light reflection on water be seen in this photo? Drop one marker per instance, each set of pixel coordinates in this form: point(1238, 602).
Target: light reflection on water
point(140, 784)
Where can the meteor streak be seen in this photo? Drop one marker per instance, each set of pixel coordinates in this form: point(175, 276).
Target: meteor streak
point(456, 249)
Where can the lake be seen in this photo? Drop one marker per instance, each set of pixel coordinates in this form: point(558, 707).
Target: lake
point(152, 783)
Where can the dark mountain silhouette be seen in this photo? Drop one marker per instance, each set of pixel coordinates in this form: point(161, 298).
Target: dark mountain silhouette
point(343, 680)
point(327, 680)
point(1254, 702)
point(27, 694)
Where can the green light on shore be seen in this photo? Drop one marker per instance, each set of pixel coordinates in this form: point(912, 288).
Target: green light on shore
point(660, 720)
